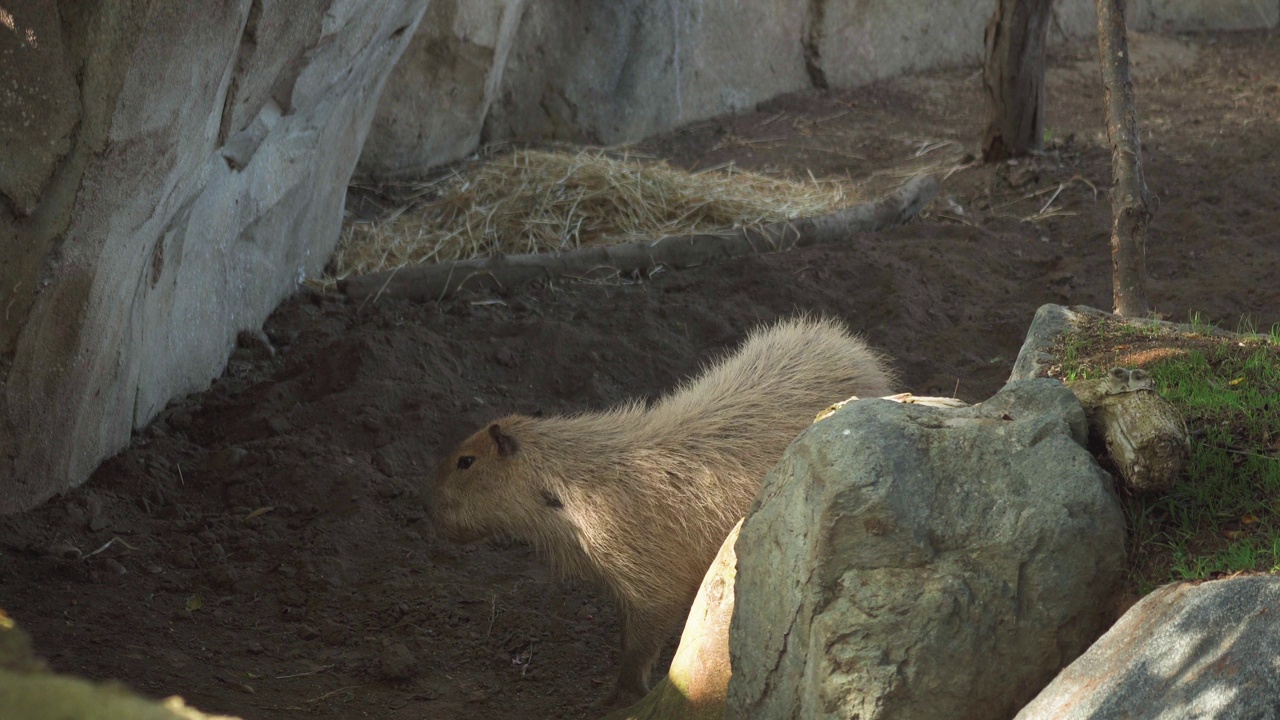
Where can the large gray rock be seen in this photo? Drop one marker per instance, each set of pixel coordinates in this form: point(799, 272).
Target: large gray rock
point(436, 100)
point(910, 562)
point(170, 171)
point(610, 72)
point(1185, 651)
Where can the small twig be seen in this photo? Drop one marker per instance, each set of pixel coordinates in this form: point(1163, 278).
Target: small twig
point(775, 117)
point(317, 671)
point(1052, 197)
point(528, 661)
point(378, 294)
point(331, 693)
point(1246, 453)
point(108, 544)
point(241, 686)
point(929, 147)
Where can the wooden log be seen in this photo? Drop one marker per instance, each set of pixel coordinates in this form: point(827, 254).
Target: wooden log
point(435, 282)
point(1144, 435)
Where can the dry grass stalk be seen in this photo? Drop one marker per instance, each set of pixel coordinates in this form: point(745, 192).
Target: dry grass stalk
point(533, 201)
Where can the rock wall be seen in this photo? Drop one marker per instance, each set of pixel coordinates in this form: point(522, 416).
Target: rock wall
point(169, 172)
point(436, 99)
point(607, 73)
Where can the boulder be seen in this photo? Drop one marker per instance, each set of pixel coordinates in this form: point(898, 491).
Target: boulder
point(1205, 651)
point(170, 172)
point(904, 561)
point(30, 692)
point(435, 102)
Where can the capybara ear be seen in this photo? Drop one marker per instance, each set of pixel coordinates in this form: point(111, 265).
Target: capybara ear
point(507, 444)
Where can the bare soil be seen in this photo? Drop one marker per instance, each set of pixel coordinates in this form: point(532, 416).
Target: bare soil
point(271, 556)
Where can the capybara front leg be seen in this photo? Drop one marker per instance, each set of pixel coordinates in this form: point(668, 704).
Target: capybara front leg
point(642, 640)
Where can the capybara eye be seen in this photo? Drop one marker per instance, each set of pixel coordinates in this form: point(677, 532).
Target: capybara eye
point(465, 461)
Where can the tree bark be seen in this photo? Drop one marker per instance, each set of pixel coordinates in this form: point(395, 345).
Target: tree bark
point(1013, 77)
point(1130, 199)
point(435, 282)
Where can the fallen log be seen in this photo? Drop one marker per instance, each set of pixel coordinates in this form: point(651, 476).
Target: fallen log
point(505, 273)
point(1144, 435)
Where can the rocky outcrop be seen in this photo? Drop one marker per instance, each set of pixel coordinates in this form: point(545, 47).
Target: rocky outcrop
point(169, 172)
point(436, 100)
point(912, 562)
point(1204, 651)
point(1036, 357)
point(617, 71)
point(586, 71)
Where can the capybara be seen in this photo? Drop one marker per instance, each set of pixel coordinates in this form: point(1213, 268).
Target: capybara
point(639, 499)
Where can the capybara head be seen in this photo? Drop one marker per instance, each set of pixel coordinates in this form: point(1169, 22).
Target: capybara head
point(488, 486)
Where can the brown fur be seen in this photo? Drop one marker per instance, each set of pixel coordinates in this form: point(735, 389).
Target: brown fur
point(640, 499)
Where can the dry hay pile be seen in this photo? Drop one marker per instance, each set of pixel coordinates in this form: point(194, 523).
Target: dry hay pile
point(533, 201)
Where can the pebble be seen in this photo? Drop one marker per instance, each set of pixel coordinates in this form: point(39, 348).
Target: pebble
point(333, 633)
point(226, 458)
point(279, 425)
point(65, 551)
point(293, 597)
point(223, 576)
point(256, 342)
point(397, 662)
point(183, 559)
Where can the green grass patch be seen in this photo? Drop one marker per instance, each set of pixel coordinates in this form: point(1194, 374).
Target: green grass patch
point(1223, 514)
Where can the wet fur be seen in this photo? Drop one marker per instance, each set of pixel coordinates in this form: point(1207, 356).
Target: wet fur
point(640, 499)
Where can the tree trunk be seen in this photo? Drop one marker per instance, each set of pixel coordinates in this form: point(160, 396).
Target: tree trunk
point(1130, 200)
point(1014, 78)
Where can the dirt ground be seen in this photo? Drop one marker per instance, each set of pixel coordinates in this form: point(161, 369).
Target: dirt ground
point(271, 558)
